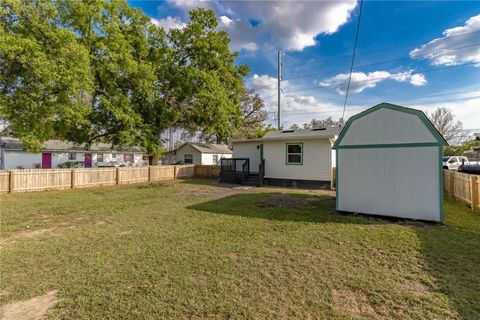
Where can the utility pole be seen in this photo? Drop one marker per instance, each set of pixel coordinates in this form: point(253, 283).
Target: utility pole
point(279, 78)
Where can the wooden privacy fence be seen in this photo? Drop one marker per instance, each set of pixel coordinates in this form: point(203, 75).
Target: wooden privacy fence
point(50, 179)
point(206, 171)
point(462, 186)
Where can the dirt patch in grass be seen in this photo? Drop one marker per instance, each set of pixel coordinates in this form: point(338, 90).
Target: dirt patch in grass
point(284, 201)
point(416, 288)
point(31, 309)
point(354, 304)
point(28, 234)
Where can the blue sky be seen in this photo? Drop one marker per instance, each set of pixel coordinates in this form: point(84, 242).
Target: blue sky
point(418, 54)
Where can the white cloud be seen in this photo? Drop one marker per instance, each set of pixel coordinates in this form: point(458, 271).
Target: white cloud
point(361, 81)
point(441, 51)
point(290, 25)
point(467, 110)
point(169, 23)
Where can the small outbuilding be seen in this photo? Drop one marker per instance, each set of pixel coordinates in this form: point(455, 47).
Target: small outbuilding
point(197, 153)
point(389, 163)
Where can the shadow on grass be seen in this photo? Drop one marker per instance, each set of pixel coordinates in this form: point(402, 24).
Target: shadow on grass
point(210, 182)
point(308, 208)
point(452, 256)
point(451, 252)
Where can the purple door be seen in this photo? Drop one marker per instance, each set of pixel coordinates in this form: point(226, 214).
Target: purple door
point(88, 160)
point(46, 160)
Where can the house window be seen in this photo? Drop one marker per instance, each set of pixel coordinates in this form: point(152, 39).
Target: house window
point(72, 156)
point(188, 158)
point(215, 158)
point(294, 153)
point(100, 157)
point(128, 158)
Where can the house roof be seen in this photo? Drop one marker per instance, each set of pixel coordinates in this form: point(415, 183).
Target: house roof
point(438, 136)
point(320, 133)
point(9, 143)
point(205, 148)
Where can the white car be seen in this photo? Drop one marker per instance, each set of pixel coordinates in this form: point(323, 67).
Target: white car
point(453, 162)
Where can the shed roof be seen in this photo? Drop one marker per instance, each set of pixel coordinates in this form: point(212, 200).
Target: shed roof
point(301, 134)
point(423, 118)
point(9, 143)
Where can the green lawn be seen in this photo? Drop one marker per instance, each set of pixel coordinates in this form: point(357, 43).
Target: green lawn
point(194, 249)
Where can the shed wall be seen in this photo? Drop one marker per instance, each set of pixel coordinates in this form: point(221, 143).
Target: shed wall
point(387, 126)
point(401, 182)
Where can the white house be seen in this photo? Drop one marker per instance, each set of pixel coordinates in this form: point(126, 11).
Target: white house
point(57, 152)
point(197, 153)
point(301, 158)
point(389, 163)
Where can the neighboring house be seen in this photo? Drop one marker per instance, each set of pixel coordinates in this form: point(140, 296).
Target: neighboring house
point(57, 152)
point(389, 163)
point(301, 158)
point(197, 153)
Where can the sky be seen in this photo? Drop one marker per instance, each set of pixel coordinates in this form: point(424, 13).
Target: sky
point(417, 54)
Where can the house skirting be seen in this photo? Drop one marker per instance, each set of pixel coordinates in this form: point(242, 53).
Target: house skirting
point(297, 183)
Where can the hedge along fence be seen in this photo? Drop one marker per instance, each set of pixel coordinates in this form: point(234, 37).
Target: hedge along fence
point(462, 186)
point(25, 180)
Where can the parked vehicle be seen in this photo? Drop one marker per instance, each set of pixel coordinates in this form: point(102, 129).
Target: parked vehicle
point(453, 162)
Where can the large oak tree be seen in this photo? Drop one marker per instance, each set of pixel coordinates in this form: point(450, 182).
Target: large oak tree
point(89, 71)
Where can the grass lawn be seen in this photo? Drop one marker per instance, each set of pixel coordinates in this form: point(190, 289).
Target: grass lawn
point(195, 249)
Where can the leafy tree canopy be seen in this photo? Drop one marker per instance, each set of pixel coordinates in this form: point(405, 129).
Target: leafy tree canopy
point(314, 123)
point(89, 71)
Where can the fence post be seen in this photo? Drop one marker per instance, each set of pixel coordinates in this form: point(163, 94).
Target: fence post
point(210, 172)
point(452, 184)
point(10, 181)
point(149, 175)
point(474, 192)
point(174, 172)
point(117, 175)
point(73, 178)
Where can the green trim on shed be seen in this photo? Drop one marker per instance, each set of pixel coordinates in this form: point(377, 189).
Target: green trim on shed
point(390, 145)
point(441, 142)
point(416, 112)
point(441, 195)
point(336, 180)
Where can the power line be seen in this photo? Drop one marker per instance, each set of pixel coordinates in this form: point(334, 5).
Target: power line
point(353, 57)
point(386, 77)
point(300, 111)
point(377, 63)
point(365, 65)
point(379, 50)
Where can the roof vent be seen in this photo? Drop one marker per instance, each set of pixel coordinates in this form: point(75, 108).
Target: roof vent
point(319, 129)
point(288, 131)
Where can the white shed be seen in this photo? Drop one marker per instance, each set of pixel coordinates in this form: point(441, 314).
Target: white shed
point(389, 163)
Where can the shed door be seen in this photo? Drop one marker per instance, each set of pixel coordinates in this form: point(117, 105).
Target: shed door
point(46, 160)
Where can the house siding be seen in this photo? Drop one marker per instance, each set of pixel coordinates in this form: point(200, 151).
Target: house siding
point(207, 158)
point(316, 160)
point(28, 160)
point(248, 150)
point(188, 149)
point(14, 159)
